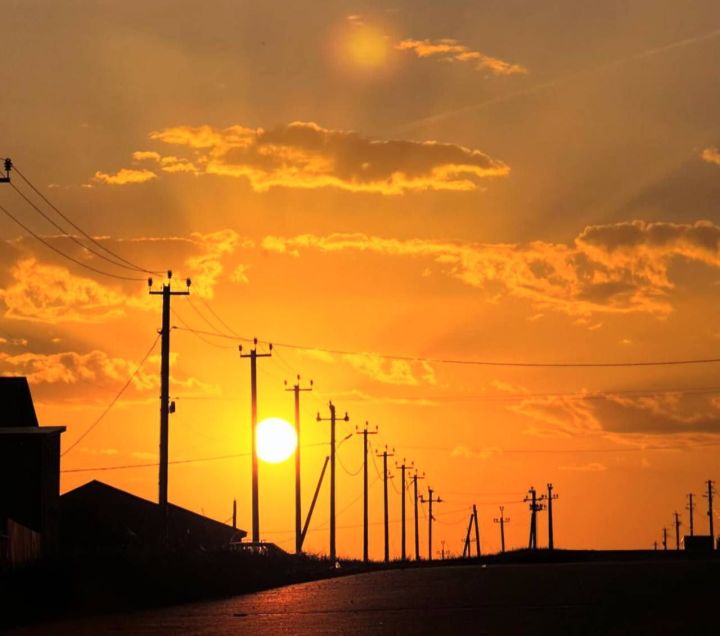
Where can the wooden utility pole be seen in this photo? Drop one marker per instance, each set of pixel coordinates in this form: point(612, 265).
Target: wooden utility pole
point(332, 419)
point(385, 454)
point(254, 355)
point(403, 467)
point(166, 407)
point(502, 520)
point(234, 514)
point(415, 478)
point(691, 510)
point(365, 432)
point(709, 495)
point(550, 497)
point(477, 531)
point(664, 539)
point(536, 506)
point(296, 389)
point(466, 546)
point(430, 501)
point(677, 530)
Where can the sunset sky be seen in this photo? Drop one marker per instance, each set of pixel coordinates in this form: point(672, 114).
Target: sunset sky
point(521, 181)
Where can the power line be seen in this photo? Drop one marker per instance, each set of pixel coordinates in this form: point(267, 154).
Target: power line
point(128, 263)
point(488, 363)
point(114, 400)
point(63, 254)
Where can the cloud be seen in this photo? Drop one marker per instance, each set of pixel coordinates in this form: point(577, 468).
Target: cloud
point(663, 414)
point(711, 155)
point(591, 467)
point(449, 50)
point(620, 268)
point(482, 453)
point(306, 155)
point(399, 372)
point(125, 176)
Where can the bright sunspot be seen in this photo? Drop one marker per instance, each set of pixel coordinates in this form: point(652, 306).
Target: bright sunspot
point(276, 440)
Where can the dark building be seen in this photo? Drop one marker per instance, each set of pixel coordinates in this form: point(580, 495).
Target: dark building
point(99, 518)
point(29, 477)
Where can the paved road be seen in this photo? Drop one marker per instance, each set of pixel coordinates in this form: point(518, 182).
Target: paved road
point(597, 598)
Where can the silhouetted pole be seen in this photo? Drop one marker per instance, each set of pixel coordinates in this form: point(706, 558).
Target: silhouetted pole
point(466, 546)
point(365, 432)
point(403, 467)
point(234, 516)
point(535, 507)
point(313, 502)
point(442, 550)
point(254, 355)
point(691, 509)
point(477, 532)
point(165, 405)
point(8, 167)
point(710, 492)
point(664, 540)
point(655, 545)
point(385, 454)
point(550, 497)
point(296, 389)
point(677, 530)
point(430, 501)
point(415, 477)
point(332, 419)
point(502, 520)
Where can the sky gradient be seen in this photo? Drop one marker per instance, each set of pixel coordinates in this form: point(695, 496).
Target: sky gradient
point(504, 181)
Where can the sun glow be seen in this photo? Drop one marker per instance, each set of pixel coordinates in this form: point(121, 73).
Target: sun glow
point(276, 440)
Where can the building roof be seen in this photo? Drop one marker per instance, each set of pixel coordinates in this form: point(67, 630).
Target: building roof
point(16, 403)
point(99, 517)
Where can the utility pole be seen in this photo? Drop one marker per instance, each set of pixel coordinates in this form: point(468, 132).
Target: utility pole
point(385, 454)
point(415, 478)
point(502, 520)
point(677, 530)
point(332, 419)
point(664, 541)
point(8, 168)
point(430, 501)
point(691, 509)
point(234, 515)
point(254, 355)
point(466, 546)
point(365, 432)
point(550, 497)
point(536, 506)
point(403, 467)
point(655, 545)
point(477, 531)
point(166, 407)
point(296, 389)
point(710, 492)
point(442, 550)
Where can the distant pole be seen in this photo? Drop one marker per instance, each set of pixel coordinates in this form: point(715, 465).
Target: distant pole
point(442, 550)
point(477, 531)
point(403, 467)
point(254, 355)
point(710, 492)
point(365, 432)
point(332, 419)
point(234, 516)
point(430, 500)
point(677, 530)
point(655, 545)
point(502, 520)
point(550, 497)
point(385, 454)
point(664, 540)
point(165, 406)
point(466, 546)
point(415, 478)
point(535, 507)
point(296, 389)
point(691, 509)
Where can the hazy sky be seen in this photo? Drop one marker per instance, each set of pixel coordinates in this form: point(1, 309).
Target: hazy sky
point(509, 180)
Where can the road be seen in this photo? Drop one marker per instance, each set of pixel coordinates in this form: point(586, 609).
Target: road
point(588, 598)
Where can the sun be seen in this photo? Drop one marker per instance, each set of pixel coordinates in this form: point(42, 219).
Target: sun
point(276, 440)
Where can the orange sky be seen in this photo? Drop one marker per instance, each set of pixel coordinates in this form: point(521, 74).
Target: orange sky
point(516, 181)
